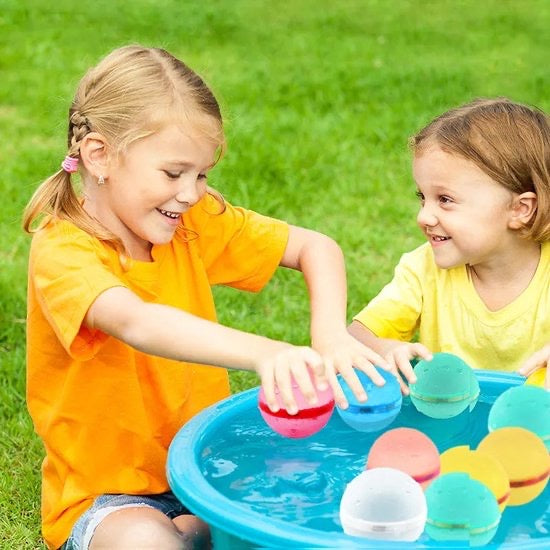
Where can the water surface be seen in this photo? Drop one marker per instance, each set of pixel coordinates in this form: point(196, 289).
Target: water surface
point(302, 480)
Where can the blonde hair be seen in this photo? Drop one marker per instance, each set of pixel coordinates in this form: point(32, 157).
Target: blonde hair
point(510, 142)
point(129, 95)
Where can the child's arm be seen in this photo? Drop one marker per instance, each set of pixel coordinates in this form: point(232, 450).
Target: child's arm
point(322, 263)
point(169, 332)
point(397, 353)
point(538, 360)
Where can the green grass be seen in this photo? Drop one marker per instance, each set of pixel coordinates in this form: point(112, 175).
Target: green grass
point(319, 98)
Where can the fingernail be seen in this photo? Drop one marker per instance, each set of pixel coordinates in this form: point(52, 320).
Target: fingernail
point(292, 410)
point(322, 386)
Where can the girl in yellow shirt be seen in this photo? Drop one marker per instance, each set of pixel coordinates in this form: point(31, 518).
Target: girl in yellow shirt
point(121, 319)
point(480, 287)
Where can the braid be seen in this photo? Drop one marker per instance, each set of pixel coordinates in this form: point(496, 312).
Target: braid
point(57, 197)
point(79, 127)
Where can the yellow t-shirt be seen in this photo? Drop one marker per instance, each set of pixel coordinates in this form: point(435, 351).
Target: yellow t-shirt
point(106, 412)
point(443, 305)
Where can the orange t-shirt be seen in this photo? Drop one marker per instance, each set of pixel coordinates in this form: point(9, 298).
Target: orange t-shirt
point(106, 412)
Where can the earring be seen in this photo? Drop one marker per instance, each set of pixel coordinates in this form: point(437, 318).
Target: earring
point(100, 180)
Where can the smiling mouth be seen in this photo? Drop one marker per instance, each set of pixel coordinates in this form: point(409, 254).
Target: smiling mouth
point(169, 214)
point(438, 238)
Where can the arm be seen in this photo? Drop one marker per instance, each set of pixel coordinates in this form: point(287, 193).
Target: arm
point(396, 312)
point(538, 360)
point(381, 345)
point(169, 332)
point(322, 263)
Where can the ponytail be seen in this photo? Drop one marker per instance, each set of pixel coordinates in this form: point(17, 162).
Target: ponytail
point(55, 198)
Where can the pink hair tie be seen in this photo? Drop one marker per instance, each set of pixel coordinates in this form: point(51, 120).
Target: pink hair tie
point(70, 164)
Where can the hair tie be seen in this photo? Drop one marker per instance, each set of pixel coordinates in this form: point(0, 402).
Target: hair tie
point(70, 164)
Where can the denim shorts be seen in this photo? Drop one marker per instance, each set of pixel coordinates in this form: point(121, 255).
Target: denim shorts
point(84, 528)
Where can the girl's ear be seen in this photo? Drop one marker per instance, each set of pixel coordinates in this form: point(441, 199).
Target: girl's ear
point(94, 154)
point(523, 209)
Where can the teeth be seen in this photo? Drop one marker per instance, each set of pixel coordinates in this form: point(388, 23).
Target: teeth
point(438, 238)
point(173, 215)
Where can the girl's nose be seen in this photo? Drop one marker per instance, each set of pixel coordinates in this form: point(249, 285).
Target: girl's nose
point(189, 193)
point(425, 217)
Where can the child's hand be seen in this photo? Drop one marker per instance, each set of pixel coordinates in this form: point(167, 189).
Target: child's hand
point(399, 358)
point(341, 353)
point(538, 360)
point(301, 364)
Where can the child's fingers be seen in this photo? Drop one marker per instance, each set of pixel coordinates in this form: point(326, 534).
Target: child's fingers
point(283, 379)
point(538, 360)
point(401, 366)
point(528, 368)
point(268, 385)
point(302, 375)
point(317, 366)
point(339, 396)
point(368, 368)
point(352, 380)
point(370, 357)
point(402, 357)
point(420, 350)
point(395, 370)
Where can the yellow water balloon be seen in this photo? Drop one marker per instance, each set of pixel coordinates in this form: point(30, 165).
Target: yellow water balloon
point(481, 466)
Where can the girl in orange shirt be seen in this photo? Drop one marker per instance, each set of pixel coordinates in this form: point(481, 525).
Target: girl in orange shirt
point(119, 296)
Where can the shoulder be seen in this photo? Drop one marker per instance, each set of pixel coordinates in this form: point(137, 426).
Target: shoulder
point(420, 265)
point(211, 215)
point(419, 258)
point(208, 208)
point(544, 263)
point(60, 231)
point(60, 241)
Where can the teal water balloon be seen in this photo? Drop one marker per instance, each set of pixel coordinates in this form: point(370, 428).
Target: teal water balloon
point(461, 508)
point(525, 407)
point(445, 386)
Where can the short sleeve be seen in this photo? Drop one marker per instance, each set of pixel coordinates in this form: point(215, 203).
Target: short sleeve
point(239, 248)
point(66, 275)
point(395, 311)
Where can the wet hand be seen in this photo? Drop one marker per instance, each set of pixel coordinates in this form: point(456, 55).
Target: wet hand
point(538, 360)
point(292, 364)
point(399, 358)
point(341, 352)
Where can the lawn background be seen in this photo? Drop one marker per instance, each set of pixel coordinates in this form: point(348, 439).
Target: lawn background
point(319, 98)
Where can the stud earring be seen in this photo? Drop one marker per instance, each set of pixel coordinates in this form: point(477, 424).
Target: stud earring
point(100, 180)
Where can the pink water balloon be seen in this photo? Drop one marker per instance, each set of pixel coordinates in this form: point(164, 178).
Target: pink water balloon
point(308, 420)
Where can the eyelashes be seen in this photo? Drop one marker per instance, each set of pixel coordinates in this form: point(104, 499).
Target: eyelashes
point(177, 175)
point(442, 199)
